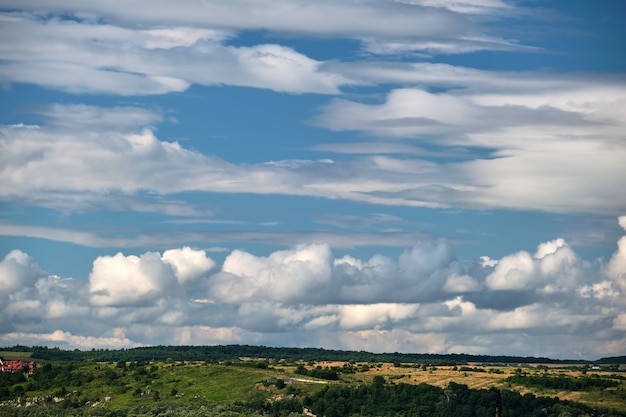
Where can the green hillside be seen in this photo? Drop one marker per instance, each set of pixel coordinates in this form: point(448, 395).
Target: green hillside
point(289, 387)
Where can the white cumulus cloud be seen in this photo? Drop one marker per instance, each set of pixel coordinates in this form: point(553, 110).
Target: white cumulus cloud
point(616, 268)
point(290, 275)
point(17, 270)
point(129, 280)
point(359, 316)
point(188, 263)
point(554, 267)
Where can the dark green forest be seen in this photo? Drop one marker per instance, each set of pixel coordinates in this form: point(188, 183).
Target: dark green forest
point(225, 352)
point(566, 383)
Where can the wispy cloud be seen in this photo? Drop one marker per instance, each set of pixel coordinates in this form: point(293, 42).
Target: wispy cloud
point(163, 239)
point(85, 57)
point(335, 18)
point(115, 49)
point(535, 149)
point(540, 142)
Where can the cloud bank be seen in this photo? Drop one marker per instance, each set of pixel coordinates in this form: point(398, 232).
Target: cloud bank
point(423, 301)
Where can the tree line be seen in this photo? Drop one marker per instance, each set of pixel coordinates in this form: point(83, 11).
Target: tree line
point(563, 382)
point(226, 352)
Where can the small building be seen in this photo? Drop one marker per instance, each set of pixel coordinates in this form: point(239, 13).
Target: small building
point(16, 366)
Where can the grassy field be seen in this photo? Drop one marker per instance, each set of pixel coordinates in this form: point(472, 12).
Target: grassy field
point(186, 382)
point(14, 356)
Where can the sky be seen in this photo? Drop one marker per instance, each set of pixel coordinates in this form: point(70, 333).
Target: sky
point(426, 176)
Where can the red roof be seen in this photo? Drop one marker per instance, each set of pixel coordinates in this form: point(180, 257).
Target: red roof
point(12, 366)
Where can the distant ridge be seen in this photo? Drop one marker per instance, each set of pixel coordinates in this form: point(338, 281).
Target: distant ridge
point(232, 352)
point(612, 359)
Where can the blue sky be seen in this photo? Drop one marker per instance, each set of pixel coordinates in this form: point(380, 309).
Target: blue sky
point(413, 175)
